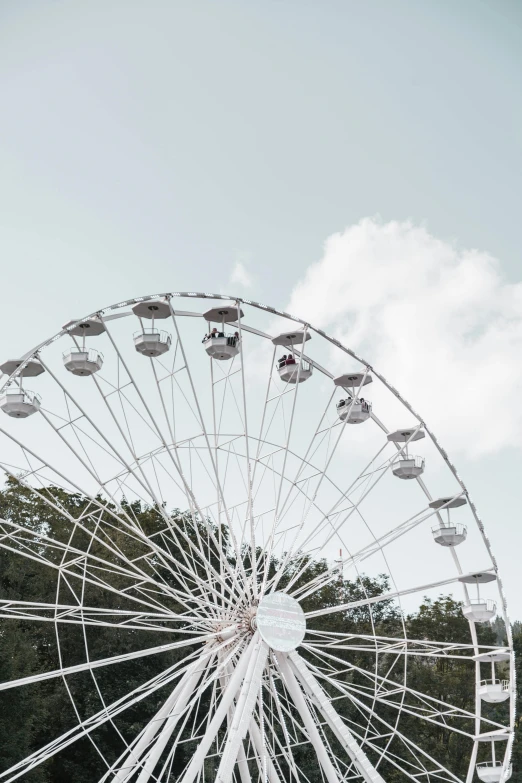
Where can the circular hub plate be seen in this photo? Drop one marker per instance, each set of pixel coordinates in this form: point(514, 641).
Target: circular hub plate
point(281, 622)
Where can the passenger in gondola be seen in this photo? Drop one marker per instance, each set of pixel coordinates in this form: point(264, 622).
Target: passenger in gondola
point(213, 333)
point(282, 361)
point(290, 359)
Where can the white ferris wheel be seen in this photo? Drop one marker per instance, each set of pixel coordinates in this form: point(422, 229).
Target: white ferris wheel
point(229, 526)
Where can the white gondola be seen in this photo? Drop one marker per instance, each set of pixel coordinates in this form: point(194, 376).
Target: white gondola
point(360, 411)
point(15, 400)
point(408, 467)
point(479, 610)
point(494, 691)
point(447, 533)
point(452, 535)
point(491, 771)
point(152, 342)
point(223, 347)
point(217, 343)
point(294, 371)
point(293, 368)
point(19, 403)
point(82, 362)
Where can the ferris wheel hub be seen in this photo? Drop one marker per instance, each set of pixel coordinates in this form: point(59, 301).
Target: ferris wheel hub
point(281, 622)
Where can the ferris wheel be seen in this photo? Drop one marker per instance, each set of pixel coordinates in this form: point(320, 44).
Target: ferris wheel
point(247, 513)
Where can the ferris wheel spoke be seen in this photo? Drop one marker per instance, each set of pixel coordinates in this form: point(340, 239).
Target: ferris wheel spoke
point(245, 704)
point(248, 477)
point(337, 640)
point(285, 748)
point(115, 659)
point(280, 754)
point(242, 762)
point(79, 614)
point(133, 592)
point(158, 430)
point(145, 754)
point(121, 518)
point(90, 724)
point(285, 458)
point(334, 721)
point(412, 746)
point(100, 433)
point(201, 422)
point(377, 545)
point(193, 706)
point(24, 538)
point(234, 684)
point(265, 764)
point(390, 732)
point(325, 522)
point(259, 439)
point(430, 708)
point(308, 455)
point(391, 595)
point(291, 683)
point(85, 461)
point(175, 458)
point(131, 529)
point(329, 456)
point(280, 751)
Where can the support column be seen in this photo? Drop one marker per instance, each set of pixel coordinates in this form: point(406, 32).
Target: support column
point(153, 755)
point(299, 700)
point(243, 712)
point(334, 720)
point(257, 742)
point(130, 761)
point(242, 762)
point(227, 699)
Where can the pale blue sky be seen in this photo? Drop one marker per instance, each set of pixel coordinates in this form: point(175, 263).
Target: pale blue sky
point(144, 141)
point(148, 146)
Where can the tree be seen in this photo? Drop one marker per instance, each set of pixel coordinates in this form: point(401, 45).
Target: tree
point(33, 715)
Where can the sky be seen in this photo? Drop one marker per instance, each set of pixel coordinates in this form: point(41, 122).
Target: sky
point(357, 164)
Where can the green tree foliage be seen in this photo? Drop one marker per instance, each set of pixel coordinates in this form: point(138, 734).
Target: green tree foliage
point(517, 748)
point(31, 716)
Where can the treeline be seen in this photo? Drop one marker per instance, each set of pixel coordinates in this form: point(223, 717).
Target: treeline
point(33, 715)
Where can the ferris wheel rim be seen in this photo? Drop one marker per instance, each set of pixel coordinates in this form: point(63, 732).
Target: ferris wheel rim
point(111, 309)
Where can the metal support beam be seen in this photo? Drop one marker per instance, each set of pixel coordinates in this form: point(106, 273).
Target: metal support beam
point(299, 700)
point(243, 712)
point(220, 714)
point(334, 720)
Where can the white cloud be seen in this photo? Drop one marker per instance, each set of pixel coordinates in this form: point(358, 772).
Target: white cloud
point(441, 323)
point(240, 275)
